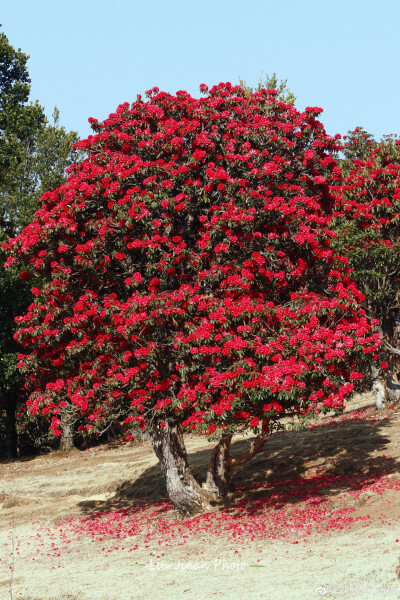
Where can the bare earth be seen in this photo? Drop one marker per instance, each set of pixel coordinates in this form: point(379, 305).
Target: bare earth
point(316, 515)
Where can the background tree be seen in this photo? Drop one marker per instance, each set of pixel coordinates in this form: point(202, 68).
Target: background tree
point(368, 218)
point(190, 279)
point(39, 166)
point(33, 157)
point(271, 83)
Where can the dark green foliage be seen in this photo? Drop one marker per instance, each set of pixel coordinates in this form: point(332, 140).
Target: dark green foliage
point(33, 158)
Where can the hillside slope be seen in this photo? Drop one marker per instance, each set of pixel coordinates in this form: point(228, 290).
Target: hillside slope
point(317, 513)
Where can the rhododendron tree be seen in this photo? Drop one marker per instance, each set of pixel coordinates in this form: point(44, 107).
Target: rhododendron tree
point(367, 224)
point(192, 283)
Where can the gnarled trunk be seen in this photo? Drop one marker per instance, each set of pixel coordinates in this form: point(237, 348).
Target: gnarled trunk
point(184, 491)
point(68, 419)
point(379, 389)
point(219, 472)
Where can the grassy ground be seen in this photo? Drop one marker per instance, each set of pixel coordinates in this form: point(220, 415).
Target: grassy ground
point(316, 514)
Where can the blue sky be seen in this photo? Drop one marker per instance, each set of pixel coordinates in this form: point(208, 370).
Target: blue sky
point(88, 56)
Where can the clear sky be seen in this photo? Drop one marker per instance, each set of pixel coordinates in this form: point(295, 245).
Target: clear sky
point(88, 56)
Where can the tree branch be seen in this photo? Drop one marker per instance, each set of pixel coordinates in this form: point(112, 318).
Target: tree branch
point(256, 446)
point(392, 350)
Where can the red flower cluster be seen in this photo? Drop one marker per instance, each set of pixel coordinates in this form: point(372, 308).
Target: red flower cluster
point(367, 221)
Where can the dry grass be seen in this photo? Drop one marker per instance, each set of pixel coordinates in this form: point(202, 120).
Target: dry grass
point(40, 491)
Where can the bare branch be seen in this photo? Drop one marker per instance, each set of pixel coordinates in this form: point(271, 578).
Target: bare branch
point(256, 446)
point(392, 350)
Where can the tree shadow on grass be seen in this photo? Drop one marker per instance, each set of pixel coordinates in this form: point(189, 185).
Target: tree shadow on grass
point(320, 463)
point(326, 460)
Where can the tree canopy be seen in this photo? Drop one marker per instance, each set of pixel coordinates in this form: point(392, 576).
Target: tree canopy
point(190, 278)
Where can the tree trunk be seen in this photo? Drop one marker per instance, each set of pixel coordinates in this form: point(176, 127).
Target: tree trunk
point(392, 389)
point(386, 388)
point(67, 429)
point(218, 480)
point(184, 491)
point(219, 472)
point(379, 388)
